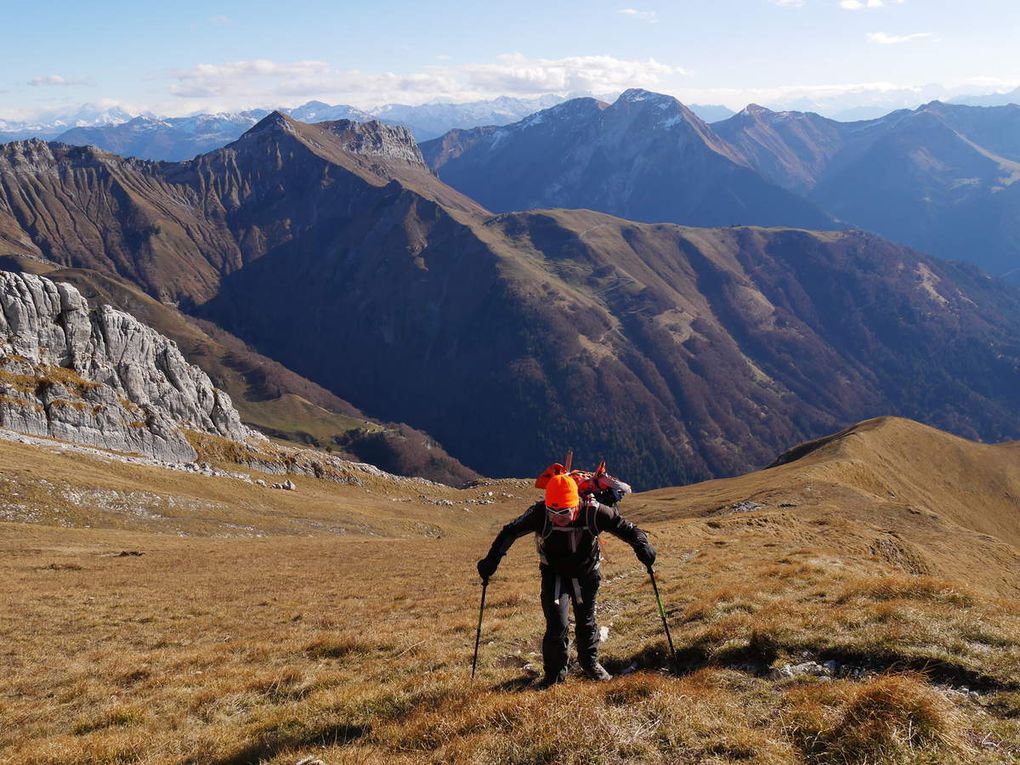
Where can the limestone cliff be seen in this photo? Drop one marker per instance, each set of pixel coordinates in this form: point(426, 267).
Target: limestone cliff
point(99, 376)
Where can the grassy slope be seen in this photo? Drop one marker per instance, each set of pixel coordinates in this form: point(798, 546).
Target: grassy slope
point(354, 646)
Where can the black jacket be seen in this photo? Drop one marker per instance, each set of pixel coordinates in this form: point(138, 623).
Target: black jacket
point(574, 549)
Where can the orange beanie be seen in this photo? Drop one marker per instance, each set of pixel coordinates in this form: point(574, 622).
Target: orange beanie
point(561, 492)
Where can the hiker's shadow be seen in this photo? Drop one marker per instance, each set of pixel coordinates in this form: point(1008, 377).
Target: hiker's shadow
point(518, 684)
point(656, 659)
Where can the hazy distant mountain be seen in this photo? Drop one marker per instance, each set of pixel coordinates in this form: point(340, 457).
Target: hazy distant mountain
point(54, 123)
point(795, 149)
point(863, 103)
point(432, 120)
point(996, 128)
point(674, 352)
point(173, 138)
point(929, 185)
point(176, 138)
point(711, 113)
point(992, 99)
point(317, 111)
point(645, 157)
point(942, 178)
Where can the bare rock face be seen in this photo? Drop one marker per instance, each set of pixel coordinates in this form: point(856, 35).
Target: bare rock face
point(99, 376)
point(376, 139)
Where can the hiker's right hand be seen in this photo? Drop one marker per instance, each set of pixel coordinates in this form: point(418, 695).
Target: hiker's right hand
point(486, 568)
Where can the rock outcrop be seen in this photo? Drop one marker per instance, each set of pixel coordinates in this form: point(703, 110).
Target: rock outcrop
point(98, 376)
point(376, 139)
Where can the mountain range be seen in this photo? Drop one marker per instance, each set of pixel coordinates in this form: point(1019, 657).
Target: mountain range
point(990, 99)
point(52, 123)
point(941, 178)
point(645, 157)
point(148, 136)
point(677, 353)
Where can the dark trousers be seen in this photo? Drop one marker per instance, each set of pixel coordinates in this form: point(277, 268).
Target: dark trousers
point(559, 590)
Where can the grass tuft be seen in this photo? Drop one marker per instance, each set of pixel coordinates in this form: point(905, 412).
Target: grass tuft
point(890, 719)
point(110, 717)
point(917, 588)
point(337, 647)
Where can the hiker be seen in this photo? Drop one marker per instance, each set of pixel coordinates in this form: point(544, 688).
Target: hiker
point(566, 532)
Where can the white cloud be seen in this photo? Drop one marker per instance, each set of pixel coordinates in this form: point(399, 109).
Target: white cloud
point(650, 16)
point(883, 39)
point(209, 80)
point(517, 74)
point(55, 81)
point(262, 81)
point(788, 3)
point(220, 21)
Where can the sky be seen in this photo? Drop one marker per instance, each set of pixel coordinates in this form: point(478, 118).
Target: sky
point(216, 55)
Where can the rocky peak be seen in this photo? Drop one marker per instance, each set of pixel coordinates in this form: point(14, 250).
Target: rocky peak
point(274, 121)
point(640, 100)
point(31, 150)
point(33, 154)
point(657, 111)
point(638, 95)
point(756, 112)
point(98, 376)
point(934, 106)
point(376, 139)
point(369, 139)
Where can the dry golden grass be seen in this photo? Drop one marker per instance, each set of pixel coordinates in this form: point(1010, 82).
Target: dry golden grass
point(46, 375)
point(355, 646)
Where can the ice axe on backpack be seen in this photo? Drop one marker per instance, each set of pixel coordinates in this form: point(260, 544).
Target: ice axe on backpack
point(665, 624)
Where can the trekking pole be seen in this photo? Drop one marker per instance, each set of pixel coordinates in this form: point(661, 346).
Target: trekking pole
point(478, 635)
point(665, 624)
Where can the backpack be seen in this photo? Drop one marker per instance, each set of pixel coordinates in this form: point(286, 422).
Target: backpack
point(577, 546)
point(607, 489)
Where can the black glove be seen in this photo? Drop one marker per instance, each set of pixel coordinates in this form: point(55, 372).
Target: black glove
point(646, 555)
point(487, 567)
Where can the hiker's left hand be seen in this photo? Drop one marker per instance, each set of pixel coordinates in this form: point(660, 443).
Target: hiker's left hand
point(646, 555)
point(486, 568)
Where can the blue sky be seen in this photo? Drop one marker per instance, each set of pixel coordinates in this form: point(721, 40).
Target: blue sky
point(184, 56)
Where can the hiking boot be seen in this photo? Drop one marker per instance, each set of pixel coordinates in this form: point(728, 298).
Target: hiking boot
point(595, 672)
point(549, 681)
